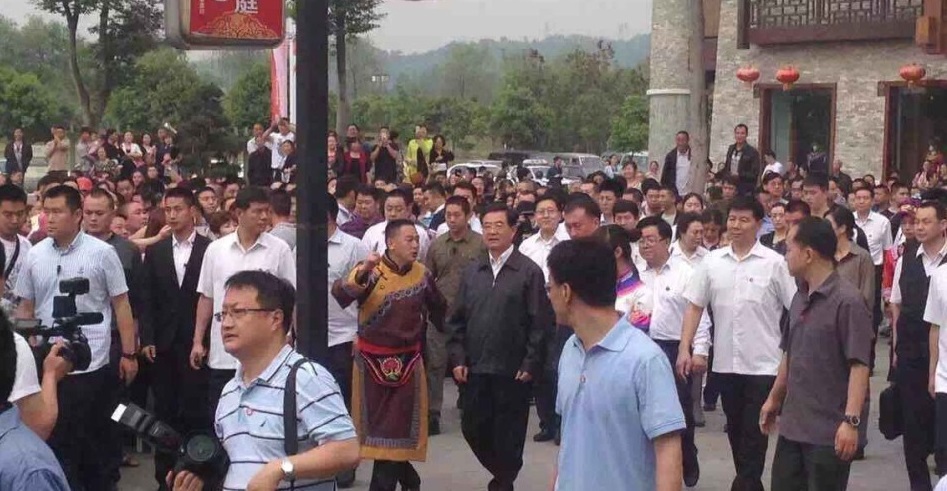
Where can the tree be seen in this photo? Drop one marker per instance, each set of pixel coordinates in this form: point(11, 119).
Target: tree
point(630, 125)
point(28, 104)
point(349, 18)
point(72, 10)
point(469, 72)
point(248, 101)
point(518, 119)
point(699, 140)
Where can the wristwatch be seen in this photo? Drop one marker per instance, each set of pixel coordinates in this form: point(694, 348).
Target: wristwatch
point(853, 421)
point(289, 470)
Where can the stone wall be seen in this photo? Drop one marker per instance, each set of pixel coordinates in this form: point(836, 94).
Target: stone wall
point(855, 67)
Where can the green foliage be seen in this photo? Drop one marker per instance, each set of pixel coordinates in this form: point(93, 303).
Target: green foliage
point(27, 103)
point(630, 125)
point(519, 119)
point(224, 68)
point(248, 101)
point(164, 88)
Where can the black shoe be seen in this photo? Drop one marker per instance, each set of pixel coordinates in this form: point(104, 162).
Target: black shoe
point(700, 424)
point(544, 436)
point(346, 479)
point(433, 426)
point(859, 454)
point(691, 476)
point(710, 408)
point(558, 439)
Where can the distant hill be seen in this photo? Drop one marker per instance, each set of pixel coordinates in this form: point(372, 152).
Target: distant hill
point(628, 53)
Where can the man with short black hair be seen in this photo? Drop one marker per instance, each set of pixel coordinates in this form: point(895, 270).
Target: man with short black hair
point(365, 213)
point(249, 248)
point(25, 461)
point(652, 195)
point(747, 286)
point(395, 294)
point(610, 192)
point(626, 214)
point(470, 193)
point(13, 204)
point(877, 231)
point(688, 246)
point(345, 194)
point(582, 217)
point(743, 161)
point(256, 316)
point(822, 381)
point(498, 332)
point(448, 257)
point(645, 415)
point(396, 206)
point(284, 226)
point(81, 437)
point(676, 171)
point(815, 192)
point(435, 195)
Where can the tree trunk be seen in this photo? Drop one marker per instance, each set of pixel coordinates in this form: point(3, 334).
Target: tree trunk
point(85, 103)
point(699, 141)
point(343, 111)
point(105, 58)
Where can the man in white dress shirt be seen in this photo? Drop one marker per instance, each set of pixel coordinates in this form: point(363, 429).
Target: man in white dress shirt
point(666, 278)
point(877, 230)
point(249, 248)
point(396, 206)
point(468, 192)
point(747, 285)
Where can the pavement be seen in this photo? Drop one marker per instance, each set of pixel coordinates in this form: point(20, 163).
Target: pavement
point(452, 467)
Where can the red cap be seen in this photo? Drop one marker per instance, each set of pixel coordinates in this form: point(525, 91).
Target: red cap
point(85, 184)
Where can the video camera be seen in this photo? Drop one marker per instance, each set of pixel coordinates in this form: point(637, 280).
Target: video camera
point(198, 453)
point(67, 324)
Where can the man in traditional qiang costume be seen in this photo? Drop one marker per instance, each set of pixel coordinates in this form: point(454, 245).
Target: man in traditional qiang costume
point(396, 295)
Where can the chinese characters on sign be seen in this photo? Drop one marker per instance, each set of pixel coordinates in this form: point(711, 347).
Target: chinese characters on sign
point(225, 23)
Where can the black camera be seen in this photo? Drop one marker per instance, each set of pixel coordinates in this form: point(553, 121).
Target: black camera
point(67, 324)
point(199, 453)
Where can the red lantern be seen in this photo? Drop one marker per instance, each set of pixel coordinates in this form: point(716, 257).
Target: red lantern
point(912, 73)
point(748, 74)
point(787, 76)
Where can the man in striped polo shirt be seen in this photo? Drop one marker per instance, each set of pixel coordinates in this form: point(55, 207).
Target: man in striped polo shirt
point(256, 315)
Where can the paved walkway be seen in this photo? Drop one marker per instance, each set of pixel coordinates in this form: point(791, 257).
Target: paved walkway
point(452, 467)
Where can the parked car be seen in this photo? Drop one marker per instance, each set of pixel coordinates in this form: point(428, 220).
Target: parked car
point(478, 167)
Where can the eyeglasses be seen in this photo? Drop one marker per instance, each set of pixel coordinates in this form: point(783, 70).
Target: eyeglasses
point(236, 314)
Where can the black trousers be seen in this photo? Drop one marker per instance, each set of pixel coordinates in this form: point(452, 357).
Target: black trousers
point(688, 447)
point(547, 387)
point(495, 416)
point(339, 364)
point(82, 437)
point(743, 397)
point(217, 379)
point(386, 475)
point(918, 408)
point(806, 467)
point(876, 315)
point(180, 400)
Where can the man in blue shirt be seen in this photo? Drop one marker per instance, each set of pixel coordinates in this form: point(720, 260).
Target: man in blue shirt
point(25, 461)
point(621, 418)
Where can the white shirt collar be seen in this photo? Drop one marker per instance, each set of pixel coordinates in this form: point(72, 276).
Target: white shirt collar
point(236, 242)
point(758, 249)
point(940, 253)
point(499, 262)
point(187, 242)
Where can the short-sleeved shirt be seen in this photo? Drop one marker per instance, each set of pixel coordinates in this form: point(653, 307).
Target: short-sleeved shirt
point(936, 313)
point(26, 381)
point(87, 257)
point(615, 399)
point(829, 330)
point(224, 257)
point(25, 461)
point(249, 418)
point(345, 252)
point(447, 258)
point(747, 296)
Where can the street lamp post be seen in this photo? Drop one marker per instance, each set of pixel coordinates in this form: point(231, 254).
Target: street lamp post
point(312, 96)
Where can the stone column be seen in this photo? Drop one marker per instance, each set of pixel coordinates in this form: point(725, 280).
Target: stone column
point(669, 91)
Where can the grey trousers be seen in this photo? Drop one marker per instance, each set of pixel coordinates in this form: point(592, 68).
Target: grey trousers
point(436, 365)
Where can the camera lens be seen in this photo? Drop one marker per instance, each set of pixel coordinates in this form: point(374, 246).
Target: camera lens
point(201, 448)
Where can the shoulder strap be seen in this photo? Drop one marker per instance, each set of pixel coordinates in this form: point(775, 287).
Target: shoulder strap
point(16, 255)
point(290, 437)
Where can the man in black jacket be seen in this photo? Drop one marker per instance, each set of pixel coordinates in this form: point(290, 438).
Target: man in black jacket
point(259, 171)
point(744, 161)
point(18, 154)
point(169, 296)
point(677, 162)
point(498, 331)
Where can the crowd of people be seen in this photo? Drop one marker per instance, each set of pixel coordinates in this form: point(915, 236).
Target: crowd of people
point(624, 306)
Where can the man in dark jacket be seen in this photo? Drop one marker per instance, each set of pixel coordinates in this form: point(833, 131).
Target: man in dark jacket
point(677, 164)
point(18, 154)
point(498, 331)
point(259, 171)
point(743, 160)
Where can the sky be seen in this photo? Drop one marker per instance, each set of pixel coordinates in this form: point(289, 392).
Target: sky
point(416, 26)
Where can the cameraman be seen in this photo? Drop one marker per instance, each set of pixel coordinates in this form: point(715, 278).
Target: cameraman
point(25, 461)
point(81, 436)
point(256, 316)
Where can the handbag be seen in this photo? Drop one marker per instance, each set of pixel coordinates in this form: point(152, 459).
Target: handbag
point(890, 415)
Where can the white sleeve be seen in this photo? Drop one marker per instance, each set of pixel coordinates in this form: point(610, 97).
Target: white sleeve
point(896, 283)
point(25, 382)
point(698, 291)
point(702, 338)
point(934, 312)
point(785, 284)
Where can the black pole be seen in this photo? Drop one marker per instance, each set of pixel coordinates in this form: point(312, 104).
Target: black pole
point(312, 97)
